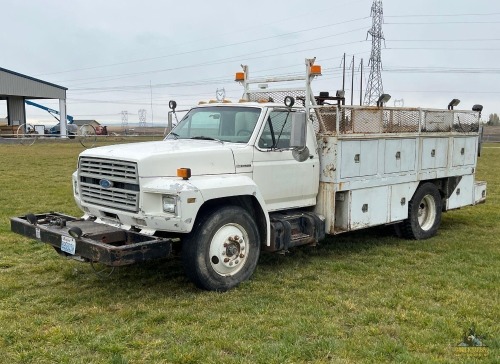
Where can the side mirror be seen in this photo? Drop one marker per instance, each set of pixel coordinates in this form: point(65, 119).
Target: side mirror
point(298, 132)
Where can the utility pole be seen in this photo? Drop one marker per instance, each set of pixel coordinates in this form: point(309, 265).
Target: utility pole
point(361, 84)
point(374, 87)
point(343, 73)
point(151, 91)
point(352, 80)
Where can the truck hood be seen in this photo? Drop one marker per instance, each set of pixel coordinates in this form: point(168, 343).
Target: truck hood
point(163, 158)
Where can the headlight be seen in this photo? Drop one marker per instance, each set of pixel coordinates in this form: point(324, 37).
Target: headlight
point(169, 203)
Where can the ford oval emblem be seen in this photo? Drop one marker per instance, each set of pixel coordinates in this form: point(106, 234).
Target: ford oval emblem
point(105, 183)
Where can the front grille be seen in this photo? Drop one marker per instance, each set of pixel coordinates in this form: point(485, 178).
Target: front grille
point(124, 191)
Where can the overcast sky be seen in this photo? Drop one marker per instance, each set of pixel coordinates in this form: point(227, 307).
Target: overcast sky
point(129, 55)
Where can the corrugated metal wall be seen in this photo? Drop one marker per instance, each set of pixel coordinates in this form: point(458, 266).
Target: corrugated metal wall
point(17, 85)
point(15, 105)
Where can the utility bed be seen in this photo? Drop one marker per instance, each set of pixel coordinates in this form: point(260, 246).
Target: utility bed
point(87, 240)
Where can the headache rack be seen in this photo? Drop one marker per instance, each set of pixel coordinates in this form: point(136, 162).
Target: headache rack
point(331, 117)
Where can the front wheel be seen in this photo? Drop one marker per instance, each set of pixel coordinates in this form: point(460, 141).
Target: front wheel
point(222, 250)
point(424, 213)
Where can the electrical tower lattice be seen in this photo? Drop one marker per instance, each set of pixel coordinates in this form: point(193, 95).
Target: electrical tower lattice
point(142, 117)
point(374, 86)
point(125, 120)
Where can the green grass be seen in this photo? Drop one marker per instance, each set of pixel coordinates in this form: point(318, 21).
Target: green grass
point(359, 297)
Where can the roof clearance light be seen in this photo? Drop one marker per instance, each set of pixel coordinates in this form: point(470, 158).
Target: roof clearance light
point(316, 69)
point(240, 76)
point(184, 173)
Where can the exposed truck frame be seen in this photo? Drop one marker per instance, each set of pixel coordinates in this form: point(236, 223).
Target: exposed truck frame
point(264, 173)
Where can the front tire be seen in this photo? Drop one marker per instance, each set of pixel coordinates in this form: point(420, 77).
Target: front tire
point(222, 250)
point(424, 213)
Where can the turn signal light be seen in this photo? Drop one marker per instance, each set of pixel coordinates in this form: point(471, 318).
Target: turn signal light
point(184, 173)
point(315, 69)
point(240, 76)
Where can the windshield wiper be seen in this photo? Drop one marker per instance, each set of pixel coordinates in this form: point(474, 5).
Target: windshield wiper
point(201, 137)
point(175, 135)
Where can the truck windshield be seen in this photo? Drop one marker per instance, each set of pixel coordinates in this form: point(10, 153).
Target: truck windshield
point(223, 123)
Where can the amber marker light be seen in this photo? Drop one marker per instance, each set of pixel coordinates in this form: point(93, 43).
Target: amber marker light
point(240, 76)
point(185, 173)
point(315, 69)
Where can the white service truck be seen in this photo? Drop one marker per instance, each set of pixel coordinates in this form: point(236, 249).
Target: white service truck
point(278, 169)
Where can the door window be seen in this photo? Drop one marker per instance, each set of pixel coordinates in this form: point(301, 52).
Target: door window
point(277, 131)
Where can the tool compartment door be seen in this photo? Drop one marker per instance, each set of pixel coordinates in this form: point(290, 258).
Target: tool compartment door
point(359, 158)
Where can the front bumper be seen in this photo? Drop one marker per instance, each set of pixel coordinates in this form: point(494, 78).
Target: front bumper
point(98, 243)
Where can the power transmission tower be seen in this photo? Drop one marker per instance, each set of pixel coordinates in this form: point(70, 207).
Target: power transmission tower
point(374, 86)
point(125, 121)
point(399, 103)
point(142, 117)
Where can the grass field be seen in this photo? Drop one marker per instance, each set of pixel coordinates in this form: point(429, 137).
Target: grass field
point(359, 297)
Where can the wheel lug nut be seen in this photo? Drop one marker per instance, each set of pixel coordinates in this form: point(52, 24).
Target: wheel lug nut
point(225, 245)
point(242, 255)
point(236, 238)
point(226, 260)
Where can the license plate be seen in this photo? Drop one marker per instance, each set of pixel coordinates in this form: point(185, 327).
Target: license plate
point(68, 245)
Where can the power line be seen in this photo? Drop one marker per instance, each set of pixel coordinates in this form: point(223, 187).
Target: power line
point(444, 22)
point(442, 49)
point(210, 63)
point(208, 81)
point(205, 49)
point(446, 40)
point(439, 15)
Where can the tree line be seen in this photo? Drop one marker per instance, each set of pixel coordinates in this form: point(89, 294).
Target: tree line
point(493, 119)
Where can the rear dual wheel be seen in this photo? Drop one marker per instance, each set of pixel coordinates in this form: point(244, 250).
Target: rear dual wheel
point(222, 250)
point(424, 214)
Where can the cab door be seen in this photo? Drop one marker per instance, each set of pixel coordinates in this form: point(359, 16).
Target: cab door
point(283, 181)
